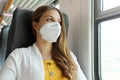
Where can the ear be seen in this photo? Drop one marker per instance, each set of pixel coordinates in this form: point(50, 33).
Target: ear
point(35, 25)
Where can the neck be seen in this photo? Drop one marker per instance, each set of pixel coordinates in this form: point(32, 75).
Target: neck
point(45, 48)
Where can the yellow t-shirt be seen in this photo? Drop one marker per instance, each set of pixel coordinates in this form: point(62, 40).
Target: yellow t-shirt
point(52, 71)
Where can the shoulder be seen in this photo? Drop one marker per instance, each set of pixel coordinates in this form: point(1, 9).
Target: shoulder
point(75, 59)
point(81, 75)
point(20, 53)
point(18, 56)
point(73, 56)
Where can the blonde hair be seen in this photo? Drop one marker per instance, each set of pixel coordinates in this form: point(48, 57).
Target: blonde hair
point(60, 50)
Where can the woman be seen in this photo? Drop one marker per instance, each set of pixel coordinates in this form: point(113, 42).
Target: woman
point(49, 58)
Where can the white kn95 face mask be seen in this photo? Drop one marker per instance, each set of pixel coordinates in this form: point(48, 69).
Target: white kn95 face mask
point(50, 31)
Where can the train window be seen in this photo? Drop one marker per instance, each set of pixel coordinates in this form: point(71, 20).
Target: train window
point(31, 4)
point(108, 4)
point(107, 40)
point(110, 52)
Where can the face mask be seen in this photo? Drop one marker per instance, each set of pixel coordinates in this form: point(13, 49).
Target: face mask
point(50, 31)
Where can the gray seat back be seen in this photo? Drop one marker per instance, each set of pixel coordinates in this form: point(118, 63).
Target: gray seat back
point(3, 44)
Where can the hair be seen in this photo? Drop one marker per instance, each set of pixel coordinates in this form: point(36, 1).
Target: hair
point(60, 50)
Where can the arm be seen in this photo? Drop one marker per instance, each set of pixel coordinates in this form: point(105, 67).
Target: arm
point(8, 71)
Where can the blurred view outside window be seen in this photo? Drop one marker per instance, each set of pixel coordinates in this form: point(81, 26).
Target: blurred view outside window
point(109, 4)
point(110, 49)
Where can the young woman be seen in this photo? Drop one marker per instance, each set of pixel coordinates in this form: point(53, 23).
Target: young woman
point(49, 58)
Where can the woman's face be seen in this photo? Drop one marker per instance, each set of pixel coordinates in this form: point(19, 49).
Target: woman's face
point(49, 16)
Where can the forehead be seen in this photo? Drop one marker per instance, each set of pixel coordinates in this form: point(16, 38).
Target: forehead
point(53, 13)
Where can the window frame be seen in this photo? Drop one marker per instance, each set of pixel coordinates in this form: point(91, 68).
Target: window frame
point(101, 16)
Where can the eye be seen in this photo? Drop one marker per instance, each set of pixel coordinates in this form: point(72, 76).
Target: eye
point(49, 20)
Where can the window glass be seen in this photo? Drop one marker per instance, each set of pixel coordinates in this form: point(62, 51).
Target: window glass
point(108, 4)
point(110, 49)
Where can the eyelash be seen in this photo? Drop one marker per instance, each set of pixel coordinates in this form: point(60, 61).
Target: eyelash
point(49, 20)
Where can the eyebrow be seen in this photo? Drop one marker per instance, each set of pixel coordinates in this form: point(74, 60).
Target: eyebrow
point(52, 17)
point(48, 16)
